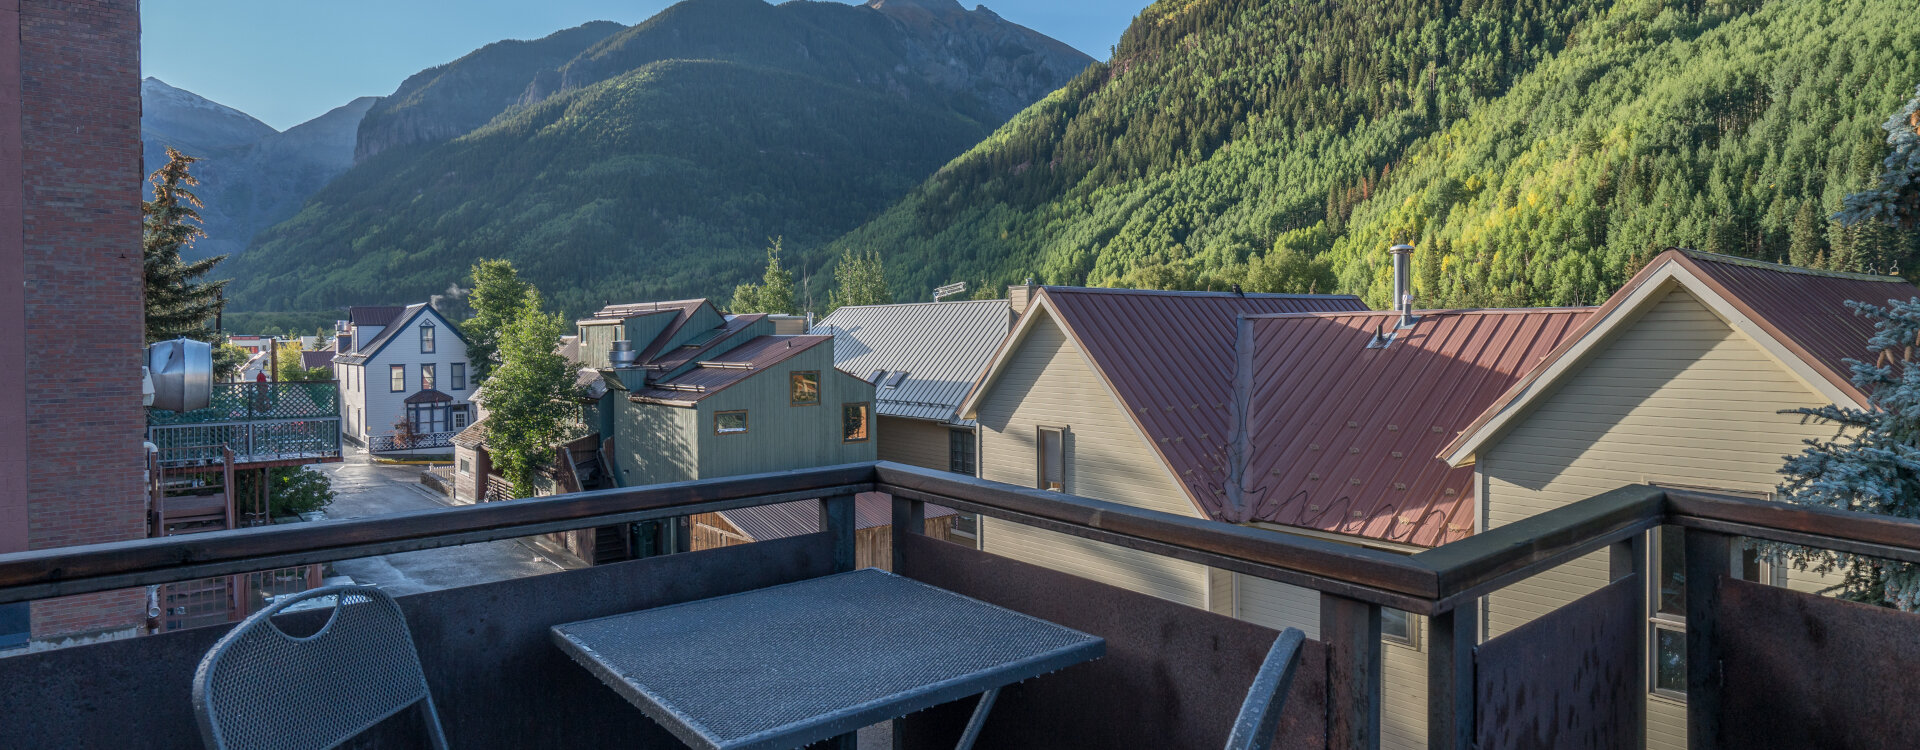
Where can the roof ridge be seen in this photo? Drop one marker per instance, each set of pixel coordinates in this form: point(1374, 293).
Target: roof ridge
point(1424, 313)
point(1000, 300)
point(1191, 293)
point(1735, 260)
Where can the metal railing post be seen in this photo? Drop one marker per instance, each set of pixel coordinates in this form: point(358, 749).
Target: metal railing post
point(1451, 695)
point(1709, 560)
point(836, 518)
point(909, 517)
point(1350, 629)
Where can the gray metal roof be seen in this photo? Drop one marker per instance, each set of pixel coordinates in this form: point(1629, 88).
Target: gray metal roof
point(942, 346)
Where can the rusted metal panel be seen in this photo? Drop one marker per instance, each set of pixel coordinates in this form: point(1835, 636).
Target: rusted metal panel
point(1343, 433)
point(1173, 677)
point(1169, 358)
point(1568, 680)
point(496, 677)
point(1810, 671)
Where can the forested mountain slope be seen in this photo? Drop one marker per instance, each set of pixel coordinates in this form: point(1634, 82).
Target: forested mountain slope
point(1535, 150)
point(657, 161)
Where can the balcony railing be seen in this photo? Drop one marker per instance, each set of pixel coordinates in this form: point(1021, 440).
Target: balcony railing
point(259, 422)
point(418, 441)
point(1767, 666)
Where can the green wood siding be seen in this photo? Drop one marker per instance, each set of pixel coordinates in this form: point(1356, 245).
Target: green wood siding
point(781, 436)
point(655, 443)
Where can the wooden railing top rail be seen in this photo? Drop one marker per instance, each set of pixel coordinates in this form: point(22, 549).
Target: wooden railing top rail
point(1430, 582)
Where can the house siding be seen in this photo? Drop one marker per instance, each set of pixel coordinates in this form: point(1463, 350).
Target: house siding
point(376, 406)
point(656, 443)
point(781, 436)
point(1047, 382)
point(915, 442)
point(1677, 397)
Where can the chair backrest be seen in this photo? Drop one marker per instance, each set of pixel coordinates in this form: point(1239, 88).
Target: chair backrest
point(260, 688)
point(1260, 712)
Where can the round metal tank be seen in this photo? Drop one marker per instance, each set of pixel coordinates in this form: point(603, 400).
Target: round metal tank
point(182, 371)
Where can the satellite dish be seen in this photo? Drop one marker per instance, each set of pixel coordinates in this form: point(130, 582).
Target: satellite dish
point(182, 372)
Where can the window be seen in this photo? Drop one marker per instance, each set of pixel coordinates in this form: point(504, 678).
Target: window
point(853, 423)
point(1667, 613)
point(427, 419)
point(427, 376)
point(877, 376)
point(399, 378)
point(459, 376)
point(466, 467)
point(898, 378)
point(426, 338)
point(1398, 627)
point(730, 422)
point(459, 417)
point(960, 452)
point(803, 388)
point(1052, 459)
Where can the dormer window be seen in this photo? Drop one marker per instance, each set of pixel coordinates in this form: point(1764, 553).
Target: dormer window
point(426, 338)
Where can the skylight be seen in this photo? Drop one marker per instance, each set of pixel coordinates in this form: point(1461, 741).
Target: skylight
point(877, 376)
point(898, 378)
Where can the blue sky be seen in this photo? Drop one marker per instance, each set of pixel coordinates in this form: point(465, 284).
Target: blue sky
point(286, 62)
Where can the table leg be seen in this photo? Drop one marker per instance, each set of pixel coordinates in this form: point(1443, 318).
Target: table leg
point(979, 719)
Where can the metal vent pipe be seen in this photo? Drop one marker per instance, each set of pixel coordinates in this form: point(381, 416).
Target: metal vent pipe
point(1403, 283)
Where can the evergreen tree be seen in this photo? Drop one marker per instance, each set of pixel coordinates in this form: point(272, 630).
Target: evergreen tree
point(1807, 240)
point(775, 292)
point(859, 280)
point(497, 298)
point(1896, 196)
point(531, 399)
point(1872, 464)
point(179, 301)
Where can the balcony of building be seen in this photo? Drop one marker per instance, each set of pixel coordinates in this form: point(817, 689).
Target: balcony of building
point(1765, 667)
point(261, 424)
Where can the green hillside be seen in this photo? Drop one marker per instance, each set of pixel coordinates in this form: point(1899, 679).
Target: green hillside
point(1536, 151)
point(656, 161)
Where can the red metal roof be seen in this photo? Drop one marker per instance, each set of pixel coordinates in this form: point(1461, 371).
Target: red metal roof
point(1343, 438)
point(1805, 308)
point(1169, 356)
point(683, 355)
point(739, 363)
point(763, 522)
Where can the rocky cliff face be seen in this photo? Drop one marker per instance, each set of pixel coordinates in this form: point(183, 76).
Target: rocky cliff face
point(251, 176)
point(1006, 65)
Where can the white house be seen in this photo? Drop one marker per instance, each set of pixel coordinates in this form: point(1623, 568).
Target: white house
point(405, 380)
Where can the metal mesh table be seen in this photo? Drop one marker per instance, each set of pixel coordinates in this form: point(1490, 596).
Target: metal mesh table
point(789, 665)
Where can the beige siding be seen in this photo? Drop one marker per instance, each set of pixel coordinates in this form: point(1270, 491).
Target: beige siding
point(1047, 382)
point(915, 442)
point(1403, 691)
point(1220, 597)
point(1677, 397)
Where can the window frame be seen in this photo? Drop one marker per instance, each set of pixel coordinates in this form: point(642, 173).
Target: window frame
point(397, 378)
point(1412, 638)
point(866, 421)
point(1658, 621)
point(457, 372)
point(961, 445)
point(457, 417)
point(429, 375)
point(426, 337)
point(1040, 456)
point(745, 422)
point(794, 378)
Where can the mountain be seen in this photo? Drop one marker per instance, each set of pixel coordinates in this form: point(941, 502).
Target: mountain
point(1536, 151)
point(658, 159)
point(251, 176)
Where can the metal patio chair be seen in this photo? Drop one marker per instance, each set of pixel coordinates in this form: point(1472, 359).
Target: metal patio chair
point(1260, 713)
point(259, 688)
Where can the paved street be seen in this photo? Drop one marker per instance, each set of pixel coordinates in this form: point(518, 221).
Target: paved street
point(369, 489)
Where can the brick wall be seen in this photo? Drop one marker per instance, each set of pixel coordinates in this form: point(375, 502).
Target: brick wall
point(80, 162)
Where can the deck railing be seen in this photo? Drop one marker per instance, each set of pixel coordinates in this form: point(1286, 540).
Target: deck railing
point(260, 422)
point(1576, 680)
point(419, 441)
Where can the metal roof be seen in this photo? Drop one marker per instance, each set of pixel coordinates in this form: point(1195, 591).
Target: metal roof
point(374, 315)
point(1344, 438)
point(682, 355)
point(763, 522)
point(942, 346)
point(313, 359)
point(744, 361)
point(1169, 357)
point(636, 309)
point(1805, 308)
point(387, 334)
